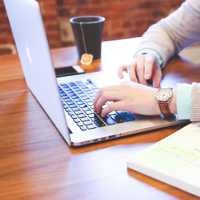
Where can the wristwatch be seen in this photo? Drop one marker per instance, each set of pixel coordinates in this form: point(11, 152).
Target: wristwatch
point(164, 96)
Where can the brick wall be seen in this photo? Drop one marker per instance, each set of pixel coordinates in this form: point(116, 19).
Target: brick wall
point(124, 19)
point(50, 17)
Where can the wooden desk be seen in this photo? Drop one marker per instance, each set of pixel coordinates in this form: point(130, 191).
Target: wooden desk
point(35, 161)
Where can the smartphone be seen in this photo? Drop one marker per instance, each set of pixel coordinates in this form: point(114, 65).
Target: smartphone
point(69, 70)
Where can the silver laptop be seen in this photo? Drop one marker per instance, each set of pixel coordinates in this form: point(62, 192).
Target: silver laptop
point(68, 101)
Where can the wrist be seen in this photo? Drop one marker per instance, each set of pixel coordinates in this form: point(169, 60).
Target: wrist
point(172, 104)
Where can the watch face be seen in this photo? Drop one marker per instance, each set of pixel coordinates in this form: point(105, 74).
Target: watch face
point(164, 94)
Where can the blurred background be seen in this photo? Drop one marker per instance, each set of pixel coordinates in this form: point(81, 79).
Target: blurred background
point(124, 19)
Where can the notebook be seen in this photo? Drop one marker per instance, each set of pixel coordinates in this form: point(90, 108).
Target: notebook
point(76, 125)
point(174, 160)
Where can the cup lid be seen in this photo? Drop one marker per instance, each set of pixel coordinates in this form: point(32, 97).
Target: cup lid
point(88, 19)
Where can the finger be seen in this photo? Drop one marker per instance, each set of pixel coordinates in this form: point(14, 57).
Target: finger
point(120, 71)
point(131, 67)
point(119, 105)
point(157, 76)
point(140, 69)
point(105, 89)
point(107, 96)
point(150, 61)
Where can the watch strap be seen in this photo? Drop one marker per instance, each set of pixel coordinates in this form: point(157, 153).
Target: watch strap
point(164, 108)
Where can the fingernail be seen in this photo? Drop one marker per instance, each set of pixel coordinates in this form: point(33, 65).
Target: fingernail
point(120, 76)
point(146, 76)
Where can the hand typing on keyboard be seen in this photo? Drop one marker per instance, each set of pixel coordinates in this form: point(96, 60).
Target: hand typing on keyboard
point(77, 98)
point(131, 97)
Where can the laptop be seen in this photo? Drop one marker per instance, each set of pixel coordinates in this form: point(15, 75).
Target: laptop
point(68, 101)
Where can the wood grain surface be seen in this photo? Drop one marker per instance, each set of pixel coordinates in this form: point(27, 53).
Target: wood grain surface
point(35, 161)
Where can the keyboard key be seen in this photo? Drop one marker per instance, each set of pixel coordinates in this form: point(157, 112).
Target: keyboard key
point(84, 87)
point(90, 103)
point(79, 82)
point(68, 110)
point(129, 119)
point(74, 97)
point(83, 106)
point(90, 81)
point(88, 100)
point(87, 122)
point(71, 84)
point(63, 84)
point(117, 118)
point(62, 94)
point(89, 112)
point(93, 115)
point(77, 99)
point(76, 88)
point(65, 106)
point(85, 98)
point(95, 89)
point(108, 120)
point(80, 102)
point(86, 109)
point(84, 119)
point(70, 113)
point(73, 105)
point(125, 115)
point(99, 123)
point(82, 95)
point(80, 124)
point(78, 112)
point(92, 95)
point(69, 102)
point(76, 120)
point(81, 115)
point(121, 112)
point(73, 116)
point(112, 113)
point(65, 97)
point(76, 109)
point(91, 126)
point(87, 90)
point(80, 92)
point(90, 92)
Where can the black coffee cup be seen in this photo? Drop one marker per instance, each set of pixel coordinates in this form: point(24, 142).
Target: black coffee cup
point(88, 34)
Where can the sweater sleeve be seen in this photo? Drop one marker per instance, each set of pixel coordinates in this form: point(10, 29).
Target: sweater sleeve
point(175, 32)
point(195, 107)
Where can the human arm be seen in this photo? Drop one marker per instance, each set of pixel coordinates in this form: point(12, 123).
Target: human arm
point(170, 35)
point(140, 99)
point(131, 97)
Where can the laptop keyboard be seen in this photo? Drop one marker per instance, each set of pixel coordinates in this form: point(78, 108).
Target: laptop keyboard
point(77, 98)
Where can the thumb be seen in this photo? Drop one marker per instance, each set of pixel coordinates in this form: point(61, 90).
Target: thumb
point(121, 68)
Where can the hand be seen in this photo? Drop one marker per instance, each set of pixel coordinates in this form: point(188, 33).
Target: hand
point(141, 69)
point(128, 96)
